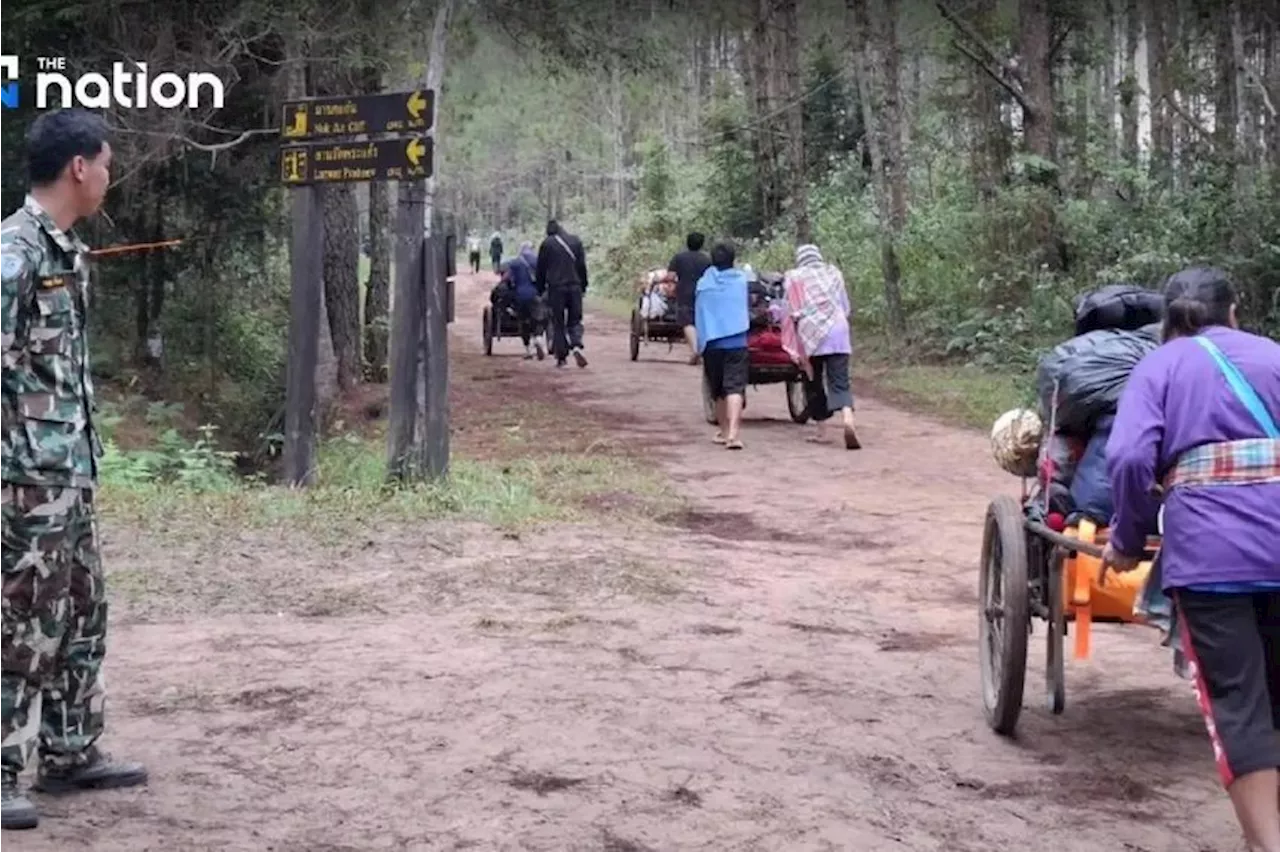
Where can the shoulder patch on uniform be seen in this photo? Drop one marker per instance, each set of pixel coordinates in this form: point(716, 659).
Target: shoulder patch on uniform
point(11, 264)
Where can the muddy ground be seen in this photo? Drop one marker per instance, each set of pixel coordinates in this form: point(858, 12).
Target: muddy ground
point(786, 662)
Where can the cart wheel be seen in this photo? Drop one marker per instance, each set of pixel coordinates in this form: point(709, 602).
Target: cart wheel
point(797, 403)
point(708, 404)
point(488, 331)
point(1054, 668)
point(635, 334)
point(1004, 598)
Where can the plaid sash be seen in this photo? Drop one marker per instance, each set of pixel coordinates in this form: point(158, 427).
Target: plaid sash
point(1248, 462)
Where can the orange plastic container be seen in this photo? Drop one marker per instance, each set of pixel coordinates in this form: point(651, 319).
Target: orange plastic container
point(1086, 601)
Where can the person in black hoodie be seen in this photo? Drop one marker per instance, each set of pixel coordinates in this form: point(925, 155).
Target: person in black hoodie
point(562, 278)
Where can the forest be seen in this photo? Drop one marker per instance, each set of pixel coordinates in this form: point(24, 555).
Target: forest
point(971, 166)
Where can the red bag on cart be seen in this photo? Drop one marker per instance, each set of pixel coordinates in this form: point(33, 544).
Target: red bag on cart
point(764, 346)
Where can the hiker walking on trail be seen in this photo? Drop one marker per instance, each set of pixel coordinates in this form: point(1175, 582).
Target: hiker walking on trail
point(1198, 417)
point(721, 320)
point(688, 267)
point(562, 278)
point(518, 276)
point(495, 251)
point(55, 607)
point(473, 253)
point(815, 333)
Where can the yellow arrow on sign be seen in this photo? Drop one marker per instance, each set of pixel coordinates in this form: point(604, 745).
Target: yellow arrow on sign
point(417, 104)
point(415, 150)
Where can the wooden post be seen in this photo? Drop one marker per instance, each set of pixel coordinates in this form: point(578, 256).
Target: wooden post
point(403, 462)
point(306, 291)
point(435, 347)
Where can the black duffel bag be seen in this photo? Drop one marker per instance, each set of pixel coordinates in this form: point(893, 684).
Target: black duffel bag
point(1122, 307)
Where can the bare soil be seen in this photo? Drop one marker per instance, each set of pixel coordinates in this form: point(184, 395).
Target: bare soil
point(788, 662)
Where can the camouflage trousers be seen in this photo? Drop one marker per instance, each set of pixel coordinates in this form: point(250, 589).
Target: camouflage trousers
point(55, 624)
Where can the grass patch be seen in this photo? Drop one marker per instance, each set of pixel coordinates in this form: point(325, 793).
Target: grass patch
point(617, 307)
point(350, 492)
point(961, 394)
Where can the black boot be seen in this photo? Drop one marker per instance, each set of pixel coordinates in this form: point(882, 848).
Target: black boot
point(96, 771)
point(18, 812)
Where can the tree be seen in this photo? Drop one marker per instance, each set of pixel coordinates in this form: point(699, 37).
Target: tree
point(874, 33)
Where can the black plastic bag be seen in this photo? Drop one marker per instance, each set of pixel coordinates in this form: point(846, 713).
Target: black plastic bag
point(1090, 371)
point(1123, 307)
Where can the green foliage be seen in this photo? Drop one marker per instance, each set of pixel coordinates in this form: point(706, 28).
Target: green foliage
point(833, 115)
point(730, 200)
point(189, 466)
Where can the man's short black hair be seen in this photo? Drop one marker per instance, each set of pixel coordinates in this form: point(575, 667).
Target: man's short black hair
point(56, 138)
point(553, 227)
point(722, 256)
point(695, 241)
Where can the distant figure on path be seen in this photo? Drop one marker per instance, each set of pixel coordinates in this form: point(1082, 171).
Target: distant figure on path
point(473, 253)
point(55, 605)
point(495, 251)
point(815, 332)
point(562, 277)
point(688, 267)
point(722, 320)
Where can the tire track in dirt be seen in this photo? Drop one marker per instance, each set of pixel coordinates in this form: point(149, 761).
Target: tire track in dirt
point(869, 560)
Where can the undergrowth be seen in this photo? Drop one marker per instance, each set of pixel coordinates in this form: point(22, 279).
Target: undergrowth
point(179, 477)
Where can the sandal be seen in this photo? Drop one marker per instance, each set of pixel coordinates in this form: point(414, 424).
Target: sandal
point(851, 441)
point(735, 444)
point(719, 439)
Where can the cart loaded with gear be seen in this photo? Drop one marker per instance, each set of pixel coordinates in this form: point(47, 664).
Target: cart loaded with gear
point(1041, 561)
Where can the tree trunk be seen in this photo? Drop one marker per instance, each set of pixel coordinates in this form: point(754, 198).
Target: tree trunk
point(377, 298)
point(1129, 97)
point(790, 55)
point(1225, 108)
point(1273, 84)
point(992, 149)
point(763, 62)
point(377, 295)
point(1157, 74)
point(299, 85)
point(1108, 98)
point(1034, 36)
point(434, 77)
point(891, 128)
point(616, 118)
point(867, 33)
point(341, 261)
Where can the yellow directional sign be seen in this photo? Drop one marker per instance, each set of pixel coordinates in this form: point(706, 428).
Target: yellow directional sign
point(396, 112)
point(417, 105)
point(414, 151)
point(346, 162)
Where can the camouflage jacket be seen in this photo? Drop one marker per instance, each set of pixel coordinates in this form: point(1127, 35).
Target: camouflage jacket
point(49, 438)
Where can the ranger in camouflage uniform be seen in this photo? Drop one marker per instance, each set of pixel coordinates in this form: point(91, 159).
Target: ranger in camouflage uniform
point(55, 608)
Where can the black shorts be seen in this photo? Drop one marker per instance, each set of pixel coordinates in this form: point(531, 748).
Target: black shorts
point(726, 371)
point(1233, 644)
point(684, 305)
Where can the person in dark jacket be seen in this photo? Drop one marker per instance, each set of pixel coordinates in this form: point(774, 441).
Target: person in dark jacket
point(495, 251)
point(562, 277)
point(517, 289)
point(688, 267)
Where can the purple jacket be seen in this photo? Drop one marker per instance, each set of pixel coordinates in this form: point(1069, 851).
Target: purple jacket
point(1175, 400)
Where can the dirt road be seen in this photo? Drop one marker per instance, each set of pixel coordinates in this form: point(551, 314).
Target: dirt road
point(789, 665)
